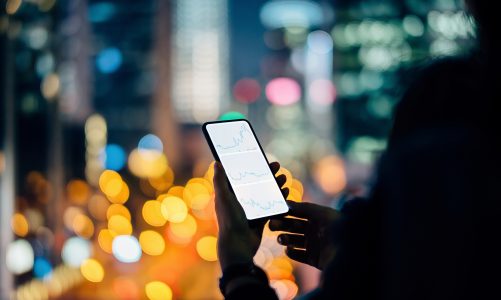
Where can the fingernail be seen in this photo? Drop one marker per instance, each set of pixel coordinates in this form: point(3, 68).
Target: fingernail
point(279, 239)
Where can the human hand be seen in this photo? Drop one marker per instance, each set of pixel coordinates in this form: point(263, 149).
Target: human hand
point(308, 239)
point(237, 241)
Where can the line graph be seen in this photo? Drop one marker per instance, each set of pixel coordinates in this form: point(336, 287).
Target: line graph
point(263, 205)
point(236, 139)
point(262, 199)
point(238, 176)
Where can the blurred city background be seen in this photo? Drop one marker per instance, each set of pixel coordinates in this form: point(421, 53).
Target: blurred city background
point(106, 180)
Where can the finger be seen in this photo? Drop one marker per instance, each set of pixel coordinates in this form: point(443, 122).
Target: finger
point(289, 225)
point(297, 254)
point(285, 192)
point(304, 209)
point(274, 166)
point(292, 240)
point(281, 179)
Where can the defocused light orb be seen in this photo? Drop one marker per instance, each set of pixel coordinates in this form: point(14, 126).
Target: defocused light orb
point(50, 86)
point(322, 91)
point(209, 174)
point(147, 163)
point(294, 195)
point(297, 13)
point(118, 209)
point(119, 225)
point(162, 183)
point(92, 270)
point(246, 90)
point(19, 258)
point(105, 240)
point(126, 249)
point(78, 191)
point(174, 209)
point(207, 248)
point(12, 6)
point(114, 157)
point(329, 173)
point(196, 195)
point(150, 142)
point(232, 115)
point(177, 191)
point(413, 26)
point(19, 225)
point(152, 242)
point(152, 213)
point(42, 267)
point(109, 60)
point(83, 226)
point(296, 184)
point(125, 288)
point(98, 206)
point(283, 91)
point(75, 251)
point(122, 196)
point(69, 215)
point(101, 11)
point(185, 229)
point(320, 42)
point(157, 290)
point(110, 182)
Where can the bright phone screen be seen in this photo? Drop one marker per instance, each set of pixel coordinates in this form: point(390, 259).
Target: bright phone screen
point(247, 169)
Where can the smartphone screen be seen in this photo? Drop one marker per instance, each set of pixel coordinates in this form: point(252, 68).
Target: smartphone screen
point(235, 145)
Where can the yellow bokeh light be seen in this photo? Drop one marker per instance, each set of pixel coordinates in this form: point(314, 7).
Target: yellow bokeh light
point(122, 196)
point(69, 215)
point(298, 186)
point(118, 209)
point(174, 209)
point(83, 226)
point(105, 240)
point(294, 195)
point(12, 6)
point(163, 182)
point(157, 290)
point(329, 173)
point(92, 270)
point(78, 191)
point(50, 86)
point(196, 195)
point(287, 174)
point(185, 229)
point(209, 175)
point(20, 225)
point(107, 177)
point(207, 248)
point(152, 242)
point(147, 163)
point(119, 225)
point(177, 191)
point(152, 213)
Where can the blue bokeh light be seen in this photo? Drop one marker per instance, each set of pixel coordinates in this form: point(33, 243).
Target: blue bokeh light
point(42, 267)
point(100, 12)
point(150, 142)
point(113, 157)
point(109, 60)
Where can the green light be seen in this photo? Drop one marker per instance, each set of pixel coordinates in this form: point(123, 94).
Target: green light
point(232, 115)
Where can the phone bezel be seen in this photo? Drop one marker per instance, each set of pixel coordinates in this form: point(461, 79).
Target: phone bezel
point(216, 157)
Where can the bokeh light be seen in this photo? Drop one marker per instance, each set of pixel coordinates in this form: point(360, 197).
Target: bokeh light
point(322, 91)
point(152, 242)
point(75, 251)
point(126, 249)
point(126, 288)
point(150, 142)
point(173, 209)
point(105, 240)
point(78, 191)
point(164, 182)
point(19, 258)
point(185, 230)
point(152, 213)
point(329, 173)
point(247, 90)
point(114, 157)
point(83, 226)
point(92, 270)
point(147, 163)
point(283, 91)
point(207, 248)
point(42, 268)
point(119, 225)
point(157, 290)
point(118, 209)
point(19, 225)
point(109, 60)
point(50, 86)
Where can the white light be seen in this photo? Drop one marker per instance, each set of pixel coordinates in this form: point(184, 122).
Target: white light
point(320, 42)
point(19, 257)
point(126, 249)
point(75, 251)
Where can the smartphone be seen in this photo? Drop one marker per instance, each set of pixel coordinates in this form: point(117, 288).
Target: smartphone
point(235, 145)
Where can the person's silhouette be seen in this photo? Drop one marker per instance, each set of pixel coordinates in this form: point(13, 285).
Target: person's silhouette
point(428, 229)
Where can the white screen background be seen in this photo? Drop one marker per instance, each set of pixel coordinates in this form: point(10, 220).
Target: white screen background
point(247, 170)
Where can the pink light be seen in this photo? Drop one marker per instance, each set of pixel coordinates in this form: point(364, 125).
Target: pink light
point(283, 91)
point(322, 91)
point(246, 90)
